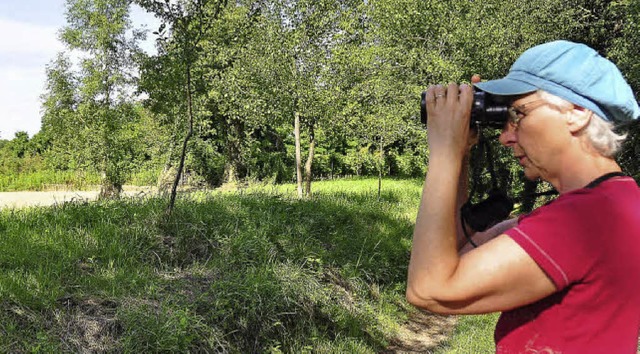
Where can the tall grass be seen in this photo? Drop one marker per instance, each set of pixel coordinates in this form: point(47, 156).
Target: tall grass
point(256, 271)
point(43, 180)
point(46, 180)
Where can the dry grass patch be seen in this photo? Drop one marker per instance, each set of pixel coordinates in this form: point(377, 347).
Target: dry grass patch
point(422, 333)
point(89, 325)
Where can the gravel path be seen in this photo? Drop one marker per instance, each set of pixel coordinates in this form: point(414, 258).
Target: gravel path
point(26, 199)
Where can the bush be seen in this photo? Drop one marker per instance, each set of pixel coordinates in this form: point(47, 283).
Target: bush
point(408, 165)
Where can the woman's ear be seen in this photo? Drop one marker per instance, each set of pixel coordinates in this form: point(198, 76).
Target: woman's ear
point(578, 118)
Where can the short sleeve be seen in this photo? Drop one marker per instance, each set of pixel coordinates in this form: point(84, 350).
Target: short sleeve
point(554, 236)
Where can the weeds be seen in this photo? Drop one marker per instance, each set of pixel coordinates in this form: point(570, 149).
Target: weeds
point(248, 272)
point(47, 180)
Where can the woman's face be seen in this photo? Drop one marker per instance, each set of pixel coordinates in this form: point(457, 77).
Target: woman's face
point(538, 138)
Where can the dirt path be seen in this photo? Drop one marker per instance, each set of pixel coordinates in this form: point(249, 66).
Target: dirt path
point(422, 333)
point(26, 199)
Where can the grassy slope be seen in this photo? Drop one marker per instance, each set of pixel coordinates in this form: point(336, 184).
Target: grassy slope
point(258, 271)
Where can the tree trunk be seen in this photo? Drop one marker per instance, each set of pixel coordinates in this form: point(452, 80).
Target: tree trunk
point(111, 185)
point(176, 181)
point(296, 131)
point(233, 168)
point(109, 190)
point(331, 173)
point(165, 180)
point(307, 166)
point(230, 174)
point(380, 166)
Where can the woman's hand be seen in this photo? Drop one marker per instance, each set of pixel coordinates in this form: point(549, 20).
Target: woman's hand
point(473, 134)
point(449, 110)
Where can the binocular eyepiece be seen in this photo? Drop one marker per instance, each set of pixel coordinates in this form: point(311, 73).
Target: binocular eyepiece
point(487, 110)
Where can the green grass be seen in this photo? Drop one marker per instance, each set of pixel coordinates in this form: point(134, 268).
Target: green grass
point(47, 179)
point(145, 177)
point(473, 335)
point(251, 271)
point(67, 180)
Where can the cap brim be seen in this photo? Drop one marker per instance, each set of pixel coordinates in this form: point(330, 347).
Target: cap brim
point(506, 87)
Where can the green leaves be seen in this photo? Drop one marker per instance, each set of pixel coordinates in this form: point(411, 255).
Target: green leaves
point(87, 112)
point(351, 70)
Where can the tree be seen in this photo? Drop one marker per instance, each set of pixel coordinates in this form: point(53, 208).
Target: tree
point(188, 22)
point(20, 144)
point(97, 101)
point(431, 42)
point(59, 122)
point(238, 87)
point(293, 73)
point(237, 115)
point(382, 106)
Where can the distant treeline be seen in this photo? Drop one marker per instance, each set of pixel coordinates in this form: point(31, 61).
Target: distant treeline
point(286, 90)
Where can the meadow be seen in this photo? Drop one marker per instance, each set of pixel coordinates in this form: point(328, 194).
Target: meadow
point(250, 271)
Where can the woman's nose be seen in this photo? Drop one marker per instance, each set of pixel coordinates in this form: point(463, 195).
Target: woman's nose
point(508, 136)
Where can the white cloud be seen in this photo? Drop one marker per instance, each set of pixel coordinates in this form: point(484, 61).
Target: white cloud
point(27, 38)
point(142, 19)
point(25, 49)
point(19, 100)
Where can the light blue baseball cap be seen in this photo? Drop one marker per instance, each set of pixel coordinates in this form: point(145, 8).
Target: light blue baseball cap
point(573, 72)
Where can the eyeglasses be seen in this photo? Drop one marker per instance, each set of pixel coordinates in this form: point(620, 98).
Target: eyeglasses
point(517, 113)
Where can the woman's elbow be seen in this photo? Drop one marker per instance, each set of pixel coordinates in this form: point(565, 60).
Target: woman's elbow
point(423, 301)
point(426, 301)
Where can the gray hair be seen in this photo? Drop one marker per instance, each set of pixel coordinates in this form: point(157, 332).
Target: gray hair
point(599, 132)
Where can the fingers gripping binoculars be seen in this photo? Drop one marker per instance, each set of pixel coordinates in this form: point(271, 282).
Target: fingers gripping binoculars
point(487, 110)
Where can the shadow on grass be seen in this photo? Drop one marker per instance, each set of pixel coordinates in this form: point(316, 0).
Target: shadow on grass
point(353, 232)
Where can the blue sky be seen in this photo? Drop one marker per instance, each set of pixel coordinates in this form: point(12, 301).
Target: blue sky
point(28, 42)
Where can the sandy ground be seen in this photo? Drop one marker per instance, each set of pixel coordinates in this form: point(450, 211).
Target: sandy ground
point(26, 199)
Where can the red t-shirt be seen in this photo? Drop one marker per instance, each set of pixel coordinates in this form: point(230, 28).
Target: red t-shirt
point(588, 243)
